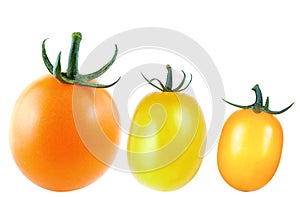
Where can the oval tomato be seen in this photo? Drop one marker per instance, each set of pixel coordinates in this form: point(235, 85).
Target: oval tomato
point(167, 140)
point(250, 146)
point(54, 128)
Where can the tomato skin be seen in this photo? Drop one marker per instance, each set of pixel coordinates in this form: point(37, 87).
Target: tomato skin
point(167, 138)
point(44, 135)
point(249, 149)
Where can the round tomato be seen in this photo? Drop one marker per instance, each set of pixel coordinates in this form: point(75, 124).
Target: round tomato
point(250, 146)
point(167, 139)
point(56, 129)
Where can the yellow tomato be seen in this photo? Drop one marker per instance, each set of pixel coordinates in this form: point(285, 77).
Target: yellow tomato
point(167, 139)
point(250, 146)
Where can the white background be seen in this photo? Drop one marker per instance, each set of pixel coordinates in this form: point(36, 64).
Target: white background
point(249, 41)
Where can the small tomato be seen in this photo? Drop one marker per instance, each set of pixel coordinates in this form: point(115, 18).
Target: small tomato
point(250, 145)
point(167, 138)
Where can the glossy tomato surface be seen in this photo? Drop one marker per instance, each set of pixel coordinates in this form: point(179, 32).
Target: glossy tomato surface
point(249, 149)
point(63, 137)
point(167, 140)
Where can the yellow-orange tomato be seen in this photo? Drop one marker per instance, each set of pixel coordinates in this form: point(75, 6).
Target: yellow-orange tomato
point(249, 149)
point(250, 145)
point(51, 125)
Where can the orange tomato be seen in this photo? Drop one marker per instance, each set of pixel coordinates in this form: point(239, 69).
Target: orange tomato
point(63, 136)
point(44, 138)
point(250, 146)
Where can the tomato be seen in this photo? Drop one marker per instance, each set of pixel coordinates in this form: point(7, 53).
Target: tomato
point(250, 146)
point(167, 139)
point(57, 127)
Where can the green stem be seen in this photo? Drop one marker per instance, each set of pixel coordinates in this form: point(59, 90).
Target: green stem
point(169, 81)
point(258, 106)
point(72, 69)
point(259, 99)
point(72, 76)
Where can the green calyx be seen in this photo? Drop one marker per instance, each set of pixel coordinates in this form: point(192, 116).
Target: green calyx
point(169, 82)
point(258, 106)
point(72, 76)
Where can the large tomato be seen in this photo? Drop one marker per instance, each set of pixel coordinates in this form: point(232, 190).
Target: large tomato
point(63, 134)
point(250, 146)
point(167, 139)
